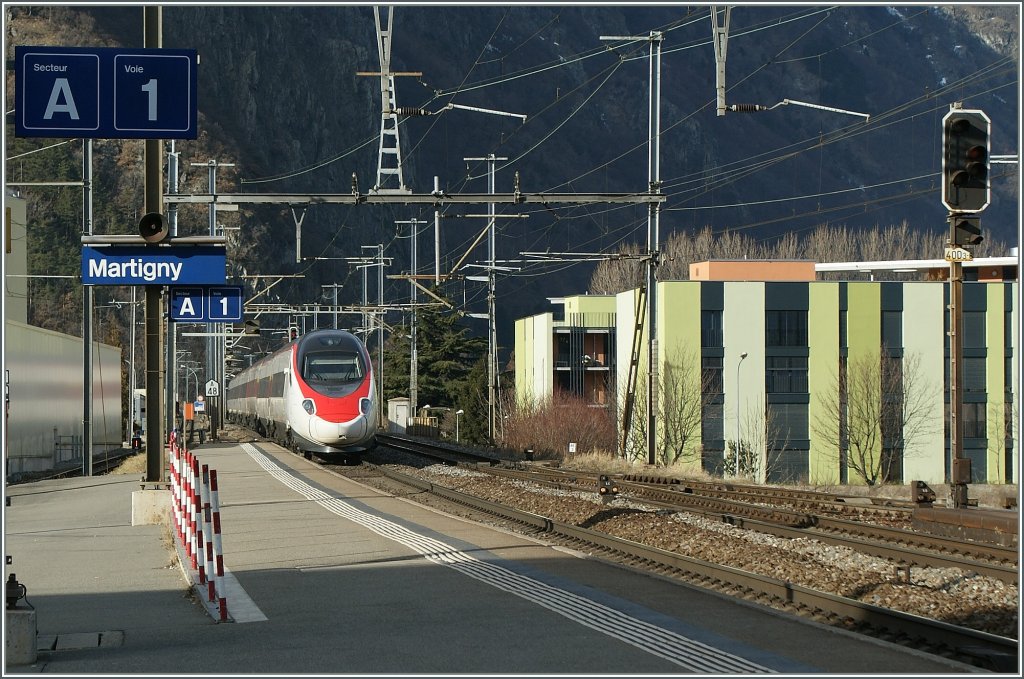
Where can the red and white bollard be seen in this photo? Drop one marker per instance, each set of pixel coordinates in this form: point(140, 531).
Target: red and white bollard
point(198, 562)
point(204, 492)
point(218, 552)
point(176, 490)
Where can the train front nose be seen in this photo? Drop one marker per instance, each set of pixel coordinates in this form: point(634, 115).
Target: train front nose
point(353, 430)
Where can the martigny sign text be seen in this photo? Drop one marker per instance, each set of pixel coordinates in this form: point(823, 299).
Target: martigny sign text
point(153, 265)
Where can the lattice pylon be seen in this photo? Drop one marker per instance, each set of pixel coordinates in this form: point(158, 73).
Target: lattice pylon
point(389, 153)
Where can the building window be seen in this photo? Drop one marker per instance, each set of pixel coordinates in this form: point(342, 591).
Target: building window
point(711, 328)
point(787, 422)
point(712, 425)
point(974, 329)
point(892, 329)
point(979, 463)
point(785, 375)
point(712, 461)
point(562, 352)
point(892, 464)
point(788, 465)
point(711, 375)
point(974, 374)
point(786, 328)
point(975, 424)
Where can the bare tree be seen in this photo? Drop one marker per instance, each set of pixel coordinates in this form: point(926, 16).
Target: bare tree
point(623, 271)
point(827, 243)
point(1007, 413)
point(680, 408)
point(759, 451)
point(679, 412)
point(876, 414)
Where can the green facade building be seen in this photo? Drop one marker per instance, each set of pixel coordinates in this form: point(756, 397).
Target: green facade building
point(820, 382)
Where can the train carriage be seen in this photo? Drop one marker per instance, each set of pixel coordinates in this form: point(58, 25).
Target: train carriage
point(316, 395)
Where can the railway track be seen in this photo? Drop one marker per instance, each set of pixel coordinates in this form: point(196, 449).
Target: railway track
point(437, 453)
point(967, 645)
point(743, 507)
point(905, 546)
point(982, 649)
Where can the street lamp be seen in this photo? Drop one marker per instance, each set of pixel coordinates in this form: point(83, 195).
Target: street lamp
point(736, 470)
point(457, 413)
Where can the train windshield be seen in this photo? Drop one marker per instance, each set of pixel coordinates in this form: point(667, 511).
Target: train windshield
point(332, 367)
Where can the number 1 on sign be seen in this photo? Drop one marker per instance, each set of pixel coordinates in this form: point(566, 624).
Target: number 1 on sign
point(224, 306)
point(150, 89)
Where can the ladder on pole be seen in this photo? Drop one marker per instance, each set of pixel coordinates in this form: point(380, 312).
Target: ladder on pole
point(634, 363)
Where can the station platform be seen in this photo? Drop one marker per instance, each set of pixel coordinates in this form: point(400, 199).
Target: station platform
point(332, 577)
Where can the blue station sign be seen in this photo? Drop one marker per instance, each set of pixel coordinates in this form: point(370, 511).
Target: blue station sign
point(154, 265)
point(105, 93)
point(206, 304)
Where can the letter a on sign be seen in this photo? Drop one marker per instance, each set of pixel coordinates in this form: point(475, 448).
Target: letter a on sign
point(61, 89)
point(186, 307)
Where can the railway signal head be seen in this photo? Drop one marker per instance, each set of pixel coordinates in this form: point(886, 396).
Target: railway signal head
point(966, 230)
point(605, 488)
point(965, 160)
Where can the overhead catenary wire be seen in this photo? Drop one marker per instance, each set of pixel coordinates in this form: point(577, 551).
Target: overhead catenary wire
point(725, 175)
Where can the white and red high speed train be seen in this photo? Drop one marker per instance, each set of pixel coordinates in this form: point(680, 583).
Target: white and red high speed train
point(316, 395)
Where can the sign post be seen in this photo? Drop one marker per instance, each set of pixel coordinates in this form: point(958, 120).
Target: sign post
point(213, 391)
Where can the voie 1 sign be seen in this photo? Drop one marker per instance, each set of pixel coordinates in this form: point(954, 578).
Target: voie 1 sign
point(148, 265)
point(206, 304)
point(105, 92)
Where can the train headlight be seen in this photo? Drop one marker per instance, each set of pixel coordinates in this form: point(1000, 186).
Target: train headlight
point(365, 406)
point(307, 405)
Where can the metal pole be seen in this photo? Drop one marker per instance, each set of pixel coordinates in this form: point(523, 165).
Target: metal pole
point(413, 360)
point(739, 432)
point(87, 304)
point(380, 329)
point(131, 375)
point(437, 237)
point(492, 349)
point(653, 243)
point(211, 352)
point(961, 472)
point(152, 17)
point(172, 328)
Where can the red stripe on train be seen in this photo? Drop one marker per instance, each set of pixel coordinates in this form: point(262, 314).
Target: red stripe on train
point(331, 409)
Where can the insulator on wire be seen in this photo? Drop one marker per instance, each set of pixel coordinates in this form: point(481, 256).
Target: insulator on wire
point(411, 111)
point(747, 108)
